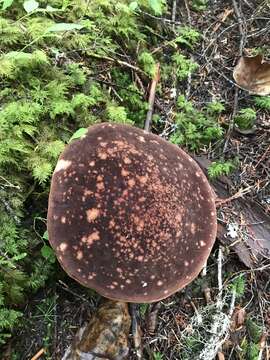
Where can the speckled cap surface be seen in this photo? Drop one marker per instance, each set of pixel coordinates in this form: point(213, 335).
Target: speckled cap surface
point(130, 215)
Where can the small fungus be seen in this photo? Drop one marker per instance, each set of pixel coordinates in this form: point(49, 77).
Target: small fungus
point(149, 232)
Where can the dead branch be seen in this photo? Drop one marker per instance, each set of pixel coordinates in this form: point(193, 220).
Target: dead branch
point(148, 121)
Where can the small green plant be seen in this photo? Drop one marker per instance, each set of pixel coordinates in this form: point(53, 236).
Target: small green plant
point(238, 286)
point(148, 63)
point(185, 105)
point(249, 350)
point(117, 114)
point(219, 168)
point(45, 313)
point(187, 36)
point(254, 330)
point(183, 66)
point(263, 50)
point(250, 345)
point(195, 128)
point(245, 119)
point(215, 107)
point(199, 5)
point(157, 356)
point(262, 102)
point(143, 309)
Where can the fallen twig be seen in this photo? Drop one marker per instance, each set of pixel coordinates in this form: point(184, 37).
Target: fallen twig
point(241, 25)
point(38, 354)
point(188, 11)
point(173, 13)
point(237, 195)
point(119, 62)
point(148, 121)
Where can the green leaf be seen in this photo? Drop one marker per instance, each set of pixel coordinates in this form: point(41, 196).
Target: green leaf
point(133, 5)
point(78, 134)
point(64, 27)
point(45, 235)
point(6, 4)
point(156, 6)
point(30, 5)
point(47, 253)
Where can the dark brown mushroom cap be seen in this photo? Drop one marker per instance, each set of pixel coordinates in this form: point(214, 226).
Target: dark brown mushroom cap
point(130, 215)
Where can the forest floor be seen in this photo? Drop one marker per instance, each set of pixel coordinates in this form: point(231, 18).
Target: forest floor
point(230, 313)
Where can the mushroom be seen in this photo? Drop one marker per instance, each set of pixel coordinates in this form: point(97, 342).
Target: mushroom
point(130, 215)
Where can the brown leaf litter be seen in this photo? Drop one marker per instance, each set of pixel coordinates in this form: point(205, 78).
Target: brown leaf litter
point(253, 74)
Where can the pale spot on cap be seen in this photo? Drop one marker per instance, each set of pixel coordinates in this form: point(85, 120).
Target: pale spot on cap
point(92, 237)
point(159, 283)
point(79, 255)
point(102, 155)
point(63, 246)
point(202, 243)
point(131, 182)
point(92, 214)
point(143, 179)
point(193, 228)
point(63, 219)
point(100, 186)
point(124, 172)
point(62, 165)
point(127, 160)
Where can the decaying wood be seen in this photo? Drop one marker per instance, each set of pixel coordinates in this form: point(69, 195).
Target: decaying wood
point(105, 336)
point(246, 227)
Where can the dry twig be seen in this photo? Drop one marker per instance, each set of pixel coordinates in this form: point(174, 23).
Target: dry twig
point(38, 354)
point(148, 121)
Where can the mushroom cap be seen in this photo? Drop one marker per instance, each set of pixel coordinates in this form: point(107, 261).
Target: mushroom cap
point(130, 215)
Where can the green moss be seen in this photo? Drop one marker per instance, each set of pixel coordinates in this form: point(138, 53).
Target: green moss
point(194, 128)
point(245, 119)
